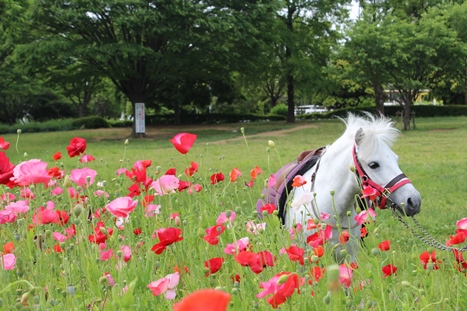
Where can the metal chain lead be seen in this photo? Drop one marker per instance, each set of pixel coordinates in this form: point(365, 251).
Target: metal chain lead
point(427, 238)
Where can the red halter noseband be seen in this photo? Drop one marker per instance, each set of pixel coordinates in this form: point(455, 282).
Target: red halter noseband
point(383, 192)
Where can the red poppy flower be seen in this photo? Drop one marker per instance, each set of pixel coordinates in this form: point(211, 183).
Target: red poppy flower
point(298, 181)
point(281, 286)
point(8, 248)
point(214, 265)
point(212, 234)
point(57, 156)
point(4, 144)
point(235, 278)
point(235, 174)
point(461, 263)
point(204, 300)
point(6, 169)
point(458, 238)
point(76, 147)
point(171, 171)
point(266, 259)
point(192, 169)
point(388, 270)
point(255, 172)
point(215, 178)
point(183, 142)
point(99, 236)
point(385, 245)
point(270, 208)
point(318, 251)
point(137, 231)
point(249, 259)
point(296, 253)
point(147, 199)
point(167, 236)
point(182, 185)
point(344, 237)
point(363, 232)
point(427, 258)
point(58, 248)
point(316, 274)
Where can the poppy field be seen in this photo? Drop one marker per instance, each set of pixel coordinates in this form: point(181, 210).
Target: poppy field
point(172, 225)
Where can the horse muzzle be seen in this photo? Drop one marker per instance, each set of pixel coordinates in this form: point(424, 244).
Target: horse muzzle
point(407, 200)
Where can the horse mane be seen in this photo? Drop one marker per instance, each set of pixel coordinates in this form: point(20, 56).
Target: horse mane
point(377, 130)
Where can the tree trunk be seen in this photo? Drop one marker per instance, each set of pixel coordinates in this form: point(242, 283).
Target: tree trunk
point(379, 96)
point(290, 99)
point(177, 114)
point(407, 111)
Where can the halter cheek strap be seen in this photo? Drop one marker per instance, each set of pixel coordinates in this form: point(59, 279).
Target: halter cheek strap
point(383, 192)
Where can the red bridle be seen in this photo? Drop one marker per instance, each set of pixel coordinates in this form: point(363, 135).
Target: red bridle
point(383, 192)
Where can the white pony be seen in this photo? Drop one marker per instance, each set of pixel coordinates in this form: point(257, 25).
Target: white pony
point(365, 146)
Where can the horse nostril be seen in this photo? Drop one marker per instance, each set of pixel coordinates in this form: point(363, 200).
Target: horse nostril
point(410, 203)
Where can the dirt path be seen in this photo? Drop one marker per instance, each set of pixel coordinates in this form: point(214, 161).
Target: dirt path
point(267, 134)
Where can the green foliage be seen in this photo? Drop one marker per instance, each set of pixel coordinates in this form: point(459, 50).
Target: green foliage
point(211, 118)
point(280, 109)
point(91, 122)
point(34, 127)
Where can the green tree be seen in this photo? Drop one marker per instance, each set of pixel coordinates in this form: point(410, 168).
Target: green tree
point(152, 51)
point(306, 36)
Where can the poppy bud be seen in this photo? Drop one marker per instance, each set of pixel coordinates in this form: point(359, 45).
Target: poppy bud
point(271, 144)
point(283, 278)
point(77, 210)
point(18, 131)
point(405, 284)
point(126, 142)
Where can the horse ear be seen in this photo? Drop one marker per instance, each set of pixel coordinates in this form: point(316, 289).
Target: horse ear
point(359, 136)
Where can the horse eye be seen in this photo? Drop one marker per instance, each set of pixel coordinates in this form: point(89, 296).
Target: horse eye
point(373, 165)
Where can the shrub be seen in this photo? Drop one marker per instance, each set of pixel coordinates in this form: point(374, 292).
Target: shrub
point(91, 122)
point(280, 109)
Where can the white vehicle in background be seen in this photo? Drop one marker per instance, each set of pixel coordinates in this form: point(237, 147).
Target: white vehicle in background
point(308, 109)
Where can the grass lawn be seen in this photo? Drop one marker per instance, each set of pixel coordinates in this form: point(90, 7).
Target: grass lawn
point(433, 156)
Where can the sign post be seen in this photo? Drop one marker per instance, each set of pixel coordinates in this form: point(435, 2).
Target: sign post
point(140, 119)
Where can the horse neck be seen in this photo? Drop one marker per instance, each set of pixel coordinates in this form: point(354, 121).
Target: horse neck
point(334, 174)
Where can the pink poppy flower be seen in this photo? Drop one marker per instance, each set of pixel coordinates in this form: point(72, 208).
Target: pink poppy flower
point(195, 188)
point(59, 237)
point(462, 224)
point(345, 275)
point(56, 191)
point(165, 285)
point(365, 216)
point(26, 193)
point(280, 291)
point(126, 252)
point(151, 209)
point(18, 207)
point(83, 177)
point(7, 197)
point(121, 171)
point(31, 172)
point(166, 184)
point(86, 158)
point(183, 142)
point(223, 218)
point(106, 255)
point(271, 181)
point(320, 237)
point(237, 246)
point(101, 194)
point(122, 207)
point(7, 216)
point(255, 228)
point(8, 261)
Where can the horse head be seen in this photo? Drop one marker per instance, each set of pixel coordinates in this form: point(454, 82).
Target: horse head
point(377, 166)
